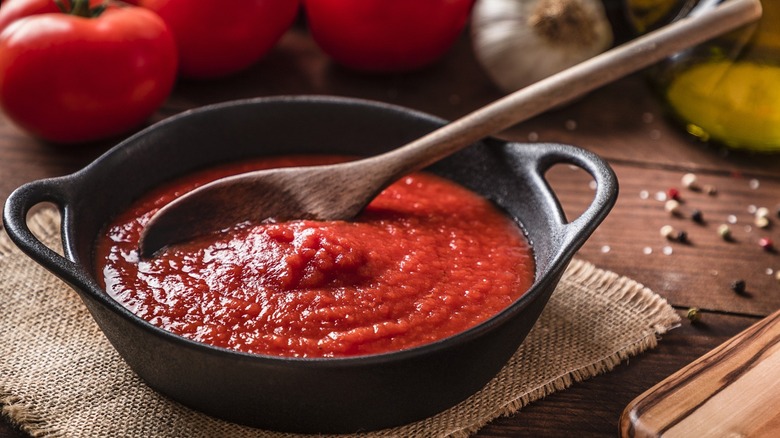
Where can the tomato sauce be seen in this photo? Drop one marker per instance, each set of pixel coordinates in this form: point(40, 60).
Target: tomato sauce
point(425, 260)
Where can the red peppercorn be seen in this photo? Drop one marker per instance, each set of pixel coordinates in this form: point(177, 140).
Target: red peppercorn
point(765, 243)
point(673, 193)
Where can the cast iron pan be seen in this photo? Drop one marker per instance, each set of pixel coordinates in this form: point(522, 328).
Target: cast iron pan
point(309, 395)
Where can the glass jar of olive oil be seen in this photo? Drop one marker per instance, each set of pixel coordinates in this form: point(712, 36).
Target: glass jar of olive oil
point(727, 90)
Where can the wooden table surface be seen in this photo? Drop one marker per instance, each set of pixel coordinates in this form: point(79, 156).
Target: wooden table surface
point(623, 123)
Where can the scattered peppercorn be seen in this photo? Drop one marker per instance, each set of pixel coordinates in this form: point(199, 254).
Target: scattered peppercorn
point(765, 243)
point(689, 181)
point(673, 193)
point(694, 315)
point(761, 222)
point(724, 231)
point(710, 190)
point(672, 207)
point(738, 286)
point(670, 233)
point(697, 216)
point(762, 212)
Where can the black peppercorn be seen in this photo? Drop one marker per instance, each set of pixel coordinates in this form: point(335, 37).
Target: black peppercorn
point(697, 216)
point(738, 286)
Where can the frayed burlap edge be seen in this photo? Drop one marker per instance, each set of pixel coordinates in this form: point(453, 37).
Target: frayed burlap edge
point(45, 225)
point(20, 414)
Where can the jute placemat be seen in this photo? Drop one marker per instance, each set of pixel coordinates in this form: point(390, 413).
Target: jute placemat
point(60, 377)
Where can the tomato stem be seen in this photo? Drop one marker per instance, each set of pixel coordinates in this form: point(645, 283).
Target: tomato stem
point(80, 8)
point(61, 6)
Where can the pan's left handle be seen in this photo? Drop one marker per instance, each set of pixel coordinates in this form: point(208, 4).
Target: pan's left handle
point(15, 212)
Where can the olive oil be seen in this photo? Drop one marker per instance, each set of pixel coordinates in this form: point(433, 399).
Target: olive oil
point(726, 91)
point(733, 103)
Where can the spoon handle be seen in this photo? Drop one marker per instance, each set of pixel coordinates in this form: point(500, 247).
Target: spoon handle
point(567, 85)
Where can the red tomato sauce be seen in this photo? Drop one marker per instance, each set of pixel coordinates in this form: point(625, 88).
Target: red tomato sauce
point(425, 260)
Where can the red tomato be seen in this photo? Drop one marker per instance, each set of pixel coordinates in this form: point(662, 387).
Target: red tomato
point(13, 10)
point(68, 78)
point(217, 38)
point(386, 35)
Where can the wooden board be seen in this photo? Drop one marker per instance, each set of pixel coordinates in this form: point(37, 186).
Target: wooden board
point(734, 390)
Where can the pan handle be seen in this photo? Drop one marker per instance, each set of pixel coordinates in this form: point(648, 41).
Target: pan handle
point(605, 194)
point(15, 212)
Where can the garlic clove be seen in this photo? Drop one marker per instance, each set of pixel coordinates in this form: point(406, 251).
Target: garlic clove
point(519, 42)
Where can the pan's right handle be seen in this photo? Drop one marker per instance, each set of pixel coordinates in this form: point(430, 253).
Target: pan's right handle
point(606, 187)
point(15, 212)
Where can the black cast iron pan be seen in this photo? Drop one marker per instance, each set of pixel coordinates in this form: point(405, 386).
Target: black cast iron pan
point(310, 395)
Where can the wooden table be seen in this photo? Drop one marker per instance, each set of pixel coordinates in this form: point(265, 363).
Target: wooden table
point(623, 123)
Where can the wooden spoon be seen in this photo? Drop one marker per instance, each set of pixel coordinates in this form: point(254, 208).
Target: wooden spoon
point(341, 191)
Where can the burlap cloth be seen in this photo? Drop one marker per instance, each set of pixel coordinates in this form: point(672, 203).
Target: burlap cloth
point(59, 376)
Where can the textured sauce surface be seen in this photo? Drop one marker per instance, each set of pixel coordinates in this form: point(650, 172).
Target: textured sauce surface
point(425, 260)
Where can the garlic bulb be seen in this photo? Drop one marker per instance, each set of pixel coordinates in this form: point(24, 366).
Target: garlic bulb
point(519, 42)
